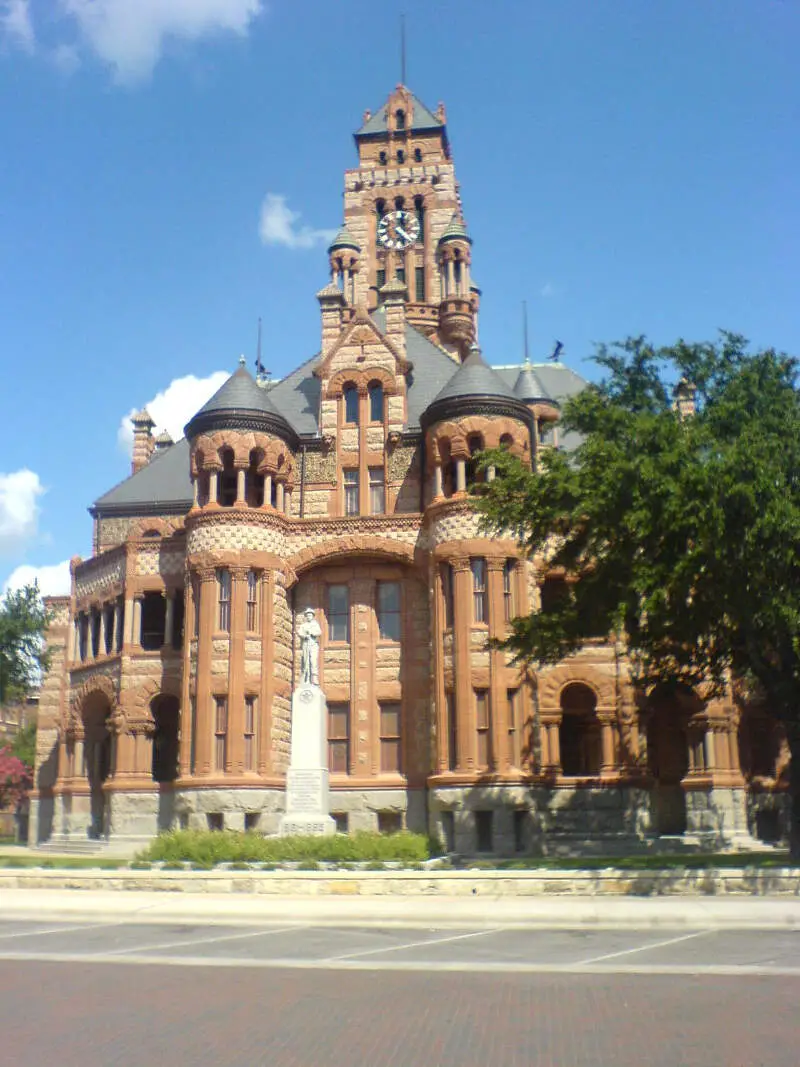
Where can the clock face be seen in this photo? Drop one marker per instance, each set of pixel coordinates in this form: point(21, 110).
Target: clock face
point(398, 230)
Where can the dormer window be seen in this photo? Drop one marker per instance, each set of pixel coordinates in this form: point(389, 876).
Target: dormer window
point(400, 119)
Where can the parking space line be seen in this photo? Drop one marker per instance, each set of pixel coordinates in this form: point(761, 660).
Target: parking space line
point(58, 930)
point(644, 948)
point(411, 944)
point(201, 941)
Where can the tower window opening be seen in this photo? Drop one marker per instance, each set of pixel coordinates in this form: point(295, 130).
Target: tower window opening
point(475, 445)
point(419, 211)
point(457, 274)
point(382, 158)
point(400, 119)
point(401, 156)
point(380, 205)
point(227, 481)
point(417, 155)
point(338, 613)
point(399, 202)
point(419, 284)
point(400, 274)
point(154, 621)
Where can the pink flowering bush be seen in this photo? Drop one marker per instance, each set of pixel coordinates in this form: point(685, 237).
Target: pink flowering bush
point(15, 778)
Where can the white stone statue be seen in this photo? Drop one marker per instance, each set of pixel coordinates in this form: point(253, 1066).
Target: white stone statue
point(310, 632)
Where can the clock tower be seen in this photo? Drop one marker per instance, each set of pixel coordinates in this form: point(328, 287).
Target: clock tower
point(403, 223)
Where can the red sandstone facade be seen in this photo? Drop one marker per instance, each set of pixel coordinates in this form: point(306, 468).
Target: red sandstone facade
point(344, 488)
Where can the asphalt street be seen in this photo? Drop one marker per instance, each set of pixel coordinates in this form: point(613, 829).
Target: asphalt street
point(291, 994)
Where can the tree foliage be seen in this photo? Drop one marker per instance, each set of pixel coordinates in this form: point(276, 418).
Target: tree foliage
point(23, 744)
point(23, 621)
point(681, 535)
point(15, 778)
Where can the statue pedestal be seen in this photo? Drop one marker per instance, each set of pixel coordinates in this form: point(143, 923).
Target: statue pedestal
point(307, 794)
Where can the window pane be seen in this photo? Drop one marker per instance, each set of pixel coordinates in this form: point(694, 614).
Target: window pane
point(338, 738)
point(482, 709)
point(479, 589)
point(420, 285)
point(376, 403)
point(351, 493)
point(350, 394)
point(389, 610)
point(390, 720)
point(377, 491)
point(390, 755)
point(338, 613)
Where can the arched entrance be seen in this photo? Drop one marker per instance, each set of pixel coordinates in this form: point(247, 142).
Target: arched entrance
point(98, 754)
point(165, 710)
point(579, 732)
point(670, 709)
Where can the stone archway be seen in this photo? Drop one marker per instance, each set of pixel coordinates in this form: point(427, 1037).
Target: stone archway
point(98, 757)
point(670, 709)
point(165, 709)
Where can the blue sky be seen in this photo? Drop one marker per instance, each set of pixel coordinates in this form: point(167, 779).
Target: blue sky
point(627, 166)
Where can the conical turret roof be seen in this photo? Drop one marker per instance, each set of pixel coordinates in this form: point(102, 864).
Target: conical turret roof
point(344, 239)
point(475, 387)
point(240, 403)
point(529, 388)
point(456, 231)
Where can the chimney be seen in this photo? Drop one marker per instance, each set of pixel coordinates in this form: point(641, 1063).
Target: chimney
point(143, 443)
point(163, 442)
point(331, 302)
point(393, 298)
point(683, 398)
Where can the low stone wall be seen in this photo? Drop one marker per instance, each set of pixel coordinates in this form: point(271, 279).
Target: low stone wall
point(779, 881)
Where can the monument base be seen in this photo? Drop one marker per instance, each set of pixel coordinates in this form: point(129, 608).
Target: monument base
point(307, 792)
point(318, 825)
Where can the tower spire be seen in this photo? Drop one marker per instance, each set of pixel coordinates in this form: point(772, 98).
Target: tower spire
point(525, 331)
point(402, 50)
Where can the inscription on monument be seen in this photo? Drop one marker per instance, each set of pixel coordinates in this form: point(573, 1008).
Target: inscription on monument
point(304, 791)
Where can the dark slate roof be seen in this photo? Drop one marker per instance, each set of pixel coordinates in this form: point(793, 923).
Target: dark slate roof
point(423, 119)
point(164, 483)
point(528, 387)
point(238, 400)
point(560, 382)
point(297, 398)
point(344, 239)
point(474, 378)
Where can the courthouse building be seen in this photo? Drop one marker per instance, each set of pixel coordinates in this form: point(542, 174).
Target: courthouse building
point(344, 487)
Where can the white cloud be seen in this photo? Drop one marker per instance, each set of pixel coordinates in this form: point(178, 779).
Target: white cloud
point(54, 579)
point(172, 408)
point(16, 24)
point(277, 225)
point(547, 290)
point(19, 509)
point(130, 36)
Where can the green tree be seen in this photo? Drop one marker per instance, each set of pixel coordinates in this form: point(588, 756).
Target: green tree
point(23, 621)
point(681, 533)
point(23, 744)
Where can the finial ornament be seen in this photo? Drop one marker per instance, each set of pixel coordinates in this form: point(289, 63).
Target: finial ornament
point(242, 361)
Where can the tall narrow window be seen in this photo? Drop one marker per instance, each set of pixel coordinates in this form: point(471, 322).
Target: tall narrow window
point(338, 613)
point(95, 632)
point(380, 280)
point(108, 611)
point(452, 730)
point(350, 394)
point(220, 732)
point(419, 277)
point(514, 754)
point(483, 724)
point(252, 601)
point(377, 491)
point(479, 610)
point(419, 205)
point(509, 600)
point(401, 156)
point(153, 621)
point(400, 119)
point(400, 274)
point(457, 275)
point(390, 738)
point(389, 611)
point(250, 733)
point(351, 492)
point(417, 155)
point(120, 636)
point(224, 594)
point(226, 486)
point(475, 445)
point(382, 158)
point(447, 593)
point(338, 738)
point(83, 636)
point(375, 402)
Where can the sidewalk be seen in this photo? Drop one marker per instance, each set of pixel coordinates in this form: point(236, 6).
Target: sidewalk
point(690, 913)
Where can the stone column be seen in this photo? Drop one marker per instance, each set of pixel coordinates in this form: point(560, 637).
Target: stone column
point(234, 760)
point(185, 754)
point(554, 746)
point(437, 616)
point(241, 488)
point(169, 617)
point(710, 754)
point(213, 479)
point(438, 488)
point(136, 636)
point(451, 277)
point(279, 496)
point(462, 633)
point(364, 744)
point(267, 490)
point(195, 491)
point(608, 762)
point(264, 725)
point(119, 633)
point(204, 711)
point(461, 476)
point(128, 623)
point(500, 755)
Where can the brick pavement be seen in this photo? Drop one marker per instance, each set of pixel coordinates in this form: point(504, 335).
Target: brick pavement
point(78, 1014)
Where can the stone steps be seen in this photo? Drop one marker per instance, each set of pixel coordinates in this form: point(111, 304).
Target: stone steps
point(71, 847)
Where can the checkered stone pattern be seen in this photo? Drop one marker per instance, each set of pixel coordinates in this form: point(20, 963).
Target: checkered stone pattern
point(100, 573)
point(226, 537)
point(458, 526)
point(159, 560)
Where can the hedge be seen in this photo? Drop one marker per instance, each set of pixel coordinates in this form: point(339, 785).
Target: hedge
point(209, 847)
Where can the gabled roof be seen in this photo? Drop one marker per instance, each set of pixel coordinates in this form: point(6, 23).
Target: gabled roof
point(422, 119)
point(239, 401)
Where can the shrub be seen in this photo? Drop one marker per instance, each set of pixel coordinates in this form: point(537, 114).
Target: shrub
point(208, 848)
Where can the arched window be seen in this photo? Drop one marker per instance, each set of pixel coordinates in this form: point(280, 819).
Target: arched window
point(475, 445)
point(375, 402)
point(380, 205)
point(350, 395)
point(399, 203)
point(401, 156)
point(227, 480)
point(400, 119)
point(506, 441)
point(382, 158)
point(417, 155)
point(255, 481)
point(579, 733)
